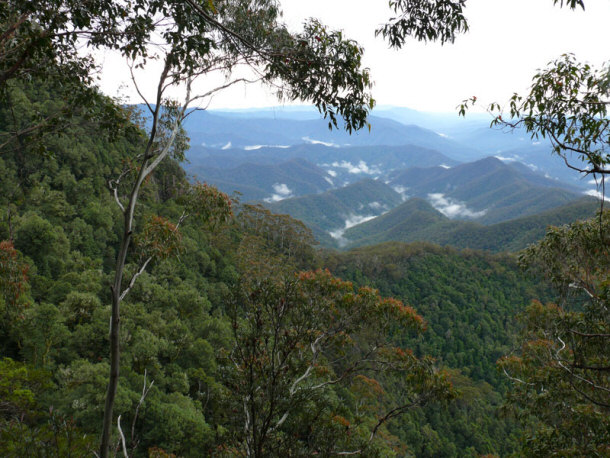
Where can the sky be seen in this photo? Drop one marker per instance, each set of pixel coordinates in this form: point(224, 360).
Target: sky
point(507, 42)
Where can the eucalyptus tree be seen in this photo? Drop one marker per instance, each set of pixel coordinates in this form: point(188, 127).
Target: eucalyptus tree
point(560, 373)
point(304, 348)
point(191, 39)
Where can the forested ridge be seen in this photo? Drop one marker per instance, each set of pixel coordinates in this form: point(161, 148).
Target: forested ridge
point(61, 218)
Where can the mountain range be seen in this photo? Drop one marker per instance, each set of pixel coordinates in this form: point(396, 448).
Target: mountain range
point(449, 180)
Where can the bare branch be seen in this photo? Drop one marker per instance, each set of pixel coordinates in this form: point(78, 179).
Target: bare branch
point(145, 391)
point(589, 335)
point(124, 446)
point(134, 278)
point(137, 87)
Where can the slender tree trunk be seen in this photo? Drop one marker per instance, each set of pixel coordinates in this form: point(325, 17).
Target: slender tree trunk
point(147, 166)
point(115, 320)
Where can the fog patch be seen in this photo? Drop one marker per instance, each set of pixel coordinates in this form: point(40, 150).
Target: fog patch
point(506, 159)
point(282, 191)
point(452, 208)
point(533, 167)
point(598, 194)
point(351, 221)
point(255, 147)
point(361, 167)
point(319, 142)
point(402, 190)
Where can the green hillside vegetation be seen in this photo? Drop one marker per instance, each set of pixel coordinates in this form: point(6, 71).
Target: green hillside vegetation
point(469, 300)
point(417, 220)
point(144, 315)
point(182, 322)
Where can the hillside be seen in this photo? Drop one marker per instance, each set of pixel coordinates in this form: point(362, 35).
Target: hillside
point(342, 165)
point(417, 220)
point(469, 300)
point(273, 182)
point(487, 190)
point(331, 212)
point(184, 314)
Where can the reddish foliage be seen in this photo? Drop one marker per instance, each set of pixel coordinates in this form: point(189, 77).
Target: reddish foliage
point(160, 238)
point(13, 274)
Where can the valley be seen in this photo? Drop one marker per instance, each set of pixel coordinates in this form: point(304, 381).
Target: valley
point(398, 182)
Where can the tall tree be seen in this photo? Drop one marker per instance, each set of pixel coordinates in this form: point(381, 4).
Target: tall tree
point(303, 347)
point(194, 38)
point(561, 373)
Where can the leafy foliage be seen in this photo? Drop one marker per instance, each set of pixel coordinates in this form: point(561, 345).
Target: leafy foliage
point(567, 103)
point(437, 20)
point(296, 341)
point(468, 300)
point(560, 382)
point(13, 282)
point(440, 20)
point(177, 321)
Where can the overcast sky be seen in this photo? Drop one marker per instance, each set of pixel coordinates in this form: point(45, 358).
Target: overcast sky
point(508, 40)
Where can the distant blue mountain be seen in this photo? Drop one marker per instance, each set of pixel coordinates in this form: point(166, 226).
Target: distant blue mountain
point(238, 131)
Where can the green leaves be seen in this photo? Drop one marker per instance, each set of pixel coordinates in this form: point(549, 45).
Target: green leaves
point(568, 105)
point(297, 338)
point(561, 374)
point(208, 205)
point(159, 239)
point(424, 20)
point(321, 67)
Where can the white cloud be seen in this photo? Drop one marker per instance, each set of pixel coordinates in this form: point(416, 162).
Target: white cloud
point(376, 206)
point(255, 147)
point(452, 208)
point(319, 142)
point(506, 159)
point(598, 194)
point(282, 191)
point(329, 180)
point(402, 190)
point(332, 173)
point(445, 166)
point(351, 221)
point(227, 146)
point(442, 135)
point(533, 167)
point(361, 167)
